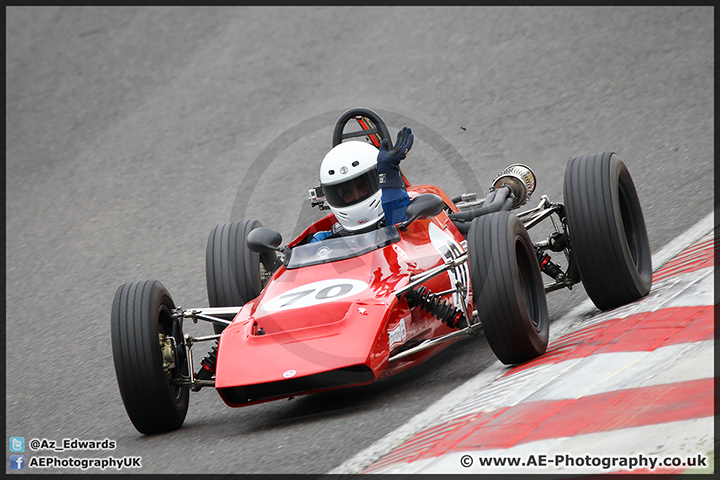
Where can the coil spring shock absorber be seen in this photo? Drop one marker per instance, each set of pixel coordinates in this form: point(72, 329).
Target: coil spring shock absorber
point(430, 303)
point(207, 366)
point(548, 266)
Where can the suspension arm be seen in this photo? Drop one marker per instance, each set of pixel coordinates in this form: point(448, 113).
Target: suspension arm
point(542, 215)
point(472, 329)
point(207, 314)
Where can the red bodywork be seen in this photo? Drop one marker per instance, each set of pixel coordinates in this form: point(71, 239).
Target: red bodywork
point(305, 333)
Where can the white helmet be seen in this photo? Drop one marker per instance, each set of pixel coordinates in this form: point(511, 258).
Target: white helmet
point(349, 178)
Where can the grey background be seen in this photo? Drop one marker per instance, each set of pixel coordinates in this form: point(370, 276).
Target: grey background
point(129, 131)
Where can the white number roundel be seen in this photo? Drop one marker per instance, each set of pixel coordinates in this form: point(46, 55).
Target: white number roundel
point(314, 294)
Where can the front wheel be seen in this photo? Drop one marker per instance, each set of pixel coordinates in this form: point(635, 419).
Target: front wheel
point(149, 359)
point(507, 287)
point(234, 274)
point(608, 237)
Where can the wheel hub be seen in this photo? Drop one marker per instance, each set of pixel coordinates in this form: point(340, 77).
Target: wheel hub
point(167, 348)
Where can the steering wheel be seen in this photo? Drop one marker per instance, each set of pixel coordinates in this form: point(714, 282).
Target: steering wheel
point(372, 125)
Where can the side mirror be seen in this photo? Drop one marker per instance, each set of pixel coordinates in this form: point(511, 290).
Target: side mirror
point(262, 240)
point(426, 205)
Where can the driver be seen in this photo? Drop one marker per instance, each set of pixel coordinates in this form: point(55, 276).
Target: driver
point(363, 185)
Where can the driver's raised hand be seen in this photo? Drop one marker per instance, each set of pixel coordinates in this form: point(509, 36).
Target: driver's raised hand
point(402, 145)
point(389, 159)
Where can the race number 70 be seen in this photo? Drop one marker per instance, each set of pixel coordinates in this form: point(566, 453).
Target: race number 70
point(315, 293)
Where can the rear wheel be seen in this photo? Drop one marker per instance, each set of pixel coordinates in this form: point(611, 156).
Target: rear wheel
point(148, 355)
point(608, 237)
point(234, 274)
point(507, 287)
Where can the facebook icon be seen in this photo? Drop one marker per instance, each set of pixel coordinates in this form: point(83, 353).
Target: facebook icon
point(17, 462)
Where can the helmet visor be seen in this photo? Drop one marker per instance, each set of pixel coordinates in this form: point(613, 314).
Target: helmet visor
point(352, 191)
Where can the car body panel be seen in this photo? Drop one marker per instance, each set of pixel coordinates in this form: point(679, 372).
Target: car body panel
point(336, 324)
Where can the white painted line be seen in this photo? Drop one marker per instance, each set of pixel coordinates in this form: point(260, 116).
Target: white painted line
point(476, 384)
point(683, 241)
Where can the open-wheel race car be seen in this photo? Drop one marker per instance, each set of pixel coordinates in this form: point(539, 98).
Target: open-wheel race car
point(311, 316)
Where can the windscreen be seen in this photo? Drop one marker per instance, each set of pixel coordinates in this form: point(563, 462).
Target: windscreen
point(333, 249)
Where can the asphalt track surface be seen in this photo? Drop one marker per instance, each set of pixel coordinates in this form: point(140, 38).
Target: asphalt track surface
point(130, 130)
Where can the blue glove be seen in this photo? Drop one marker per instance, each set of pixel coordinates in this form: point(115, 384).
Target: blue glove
point(320, 236)
point(389, 159)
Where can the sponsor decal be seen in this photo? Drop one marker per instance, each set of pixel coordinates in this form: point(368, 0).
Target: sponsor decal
point(398, 335)
point(400, 251)
point(315, 293)
point(289, 374)
point(363, 220)
point(450, 249)
point(322, 252)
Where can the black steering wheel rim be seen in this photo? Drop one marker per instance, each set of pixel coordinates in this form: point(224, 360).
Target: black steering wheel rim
point(380, 128)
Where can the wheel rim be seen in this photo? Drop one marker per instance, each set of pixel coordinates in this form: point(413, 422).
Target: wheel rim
point(165, 327)
point(264, 276)
point(526, 283)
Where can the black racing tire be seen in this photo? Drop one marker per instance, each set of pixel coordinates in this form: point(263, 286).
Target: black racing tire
point(141, 311)
point(234, 273)
point(606, 230)
point(508, 291)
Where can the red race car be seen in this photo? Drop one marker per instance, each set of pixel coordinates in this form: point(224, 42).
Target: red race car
point(318, 315)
